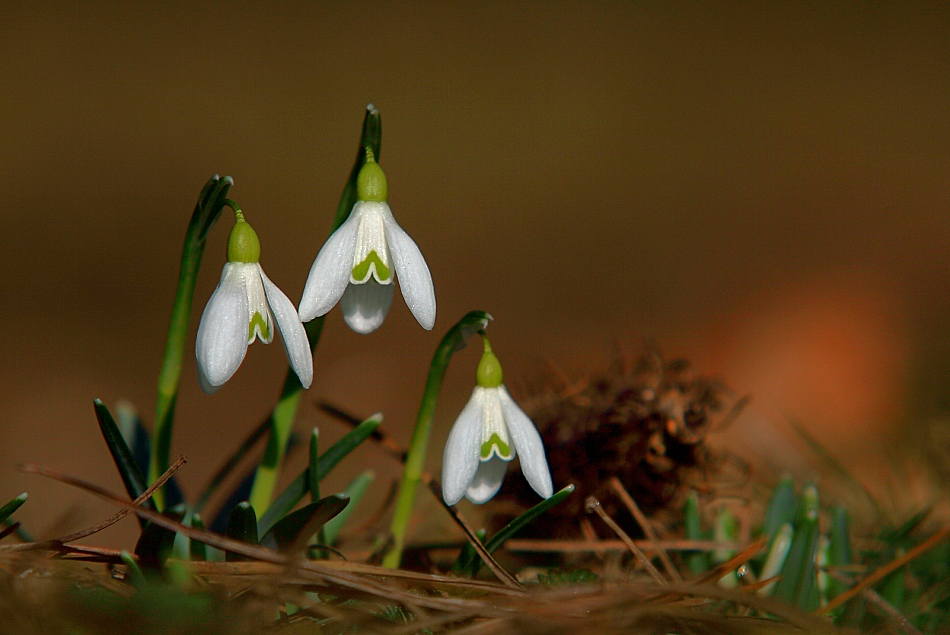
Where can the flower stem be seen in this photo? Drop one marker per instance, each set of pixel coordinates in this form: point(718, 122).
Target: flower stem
point(207, 210)
point(282, 418)
point(453, 341)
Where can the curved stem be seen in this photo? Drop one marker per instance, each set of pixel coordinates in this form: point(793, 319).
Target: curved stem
point(453, 341)
point(282, 418)
point(209, 205)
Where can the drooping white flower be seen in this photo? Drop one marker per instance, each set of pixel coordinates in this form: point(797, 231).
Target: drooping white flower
point(358, 263)
point(490, 432)
point(245, 306)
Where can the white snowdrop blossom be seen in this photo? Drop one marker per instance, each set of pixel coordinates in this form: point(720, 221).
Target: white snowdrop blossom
point(490, 432)
point(358, 263)
point(245, 306)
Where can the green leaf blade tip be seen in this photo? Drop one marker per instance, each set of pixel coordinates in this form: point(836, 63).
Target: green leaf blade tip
point(132, 477)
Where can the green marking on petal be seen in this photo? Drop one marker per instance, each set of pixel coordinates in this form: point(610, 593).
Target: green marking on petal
point(361, 271)
point(504, 451)
point(257, 320)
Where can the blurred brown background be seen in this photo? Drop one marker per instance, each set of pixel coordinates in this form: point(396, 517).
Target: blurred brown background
point(763, 188)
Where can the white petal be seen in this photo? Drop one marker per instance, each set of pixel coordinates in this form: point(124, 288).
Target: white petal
point(330, 272)
point(460, 458)
point(292, 332)
point(494, 425)
point(372, 237)
point(527, 444)
point(206, 386)
point(487, 480)
point(257, 304)
point(415, 281)
point(222, 334)
point(365, 305)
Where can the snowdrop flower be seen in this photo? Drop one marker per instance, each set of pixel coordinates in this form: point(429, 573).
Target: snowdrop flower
point(244, 307)
point(489, 433)
point(357, 265)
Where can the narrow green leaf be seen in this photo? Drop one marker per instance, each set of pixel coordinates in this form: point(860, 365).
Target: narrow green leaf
point(310, 518)
point(453, 341)
point(895, 536)
point(698, 562)
point(211, 204)
point(132, 477)
point(355, 491)
point(495, 542)
point(781, 509)
point(726, 530)
point(289, 498)
point(242, 525)
point(156, 543)
point(136, 578)
point(313, 474)
point(7, 510)
point(839, 547)
point(822, 558)
point(465, 562)
point(892, 588)
point(198, 550)
point(799, 582)
point(778, 553)
point(207, 210)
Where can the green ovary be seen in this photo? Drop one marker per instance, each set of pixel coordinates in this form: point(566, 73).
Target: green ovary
point(257, 320)
point(361, 270)
point(503, 450)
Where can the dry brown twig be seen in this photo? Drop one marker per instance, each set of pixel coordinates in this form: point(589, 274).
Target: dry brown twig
point(593, 505)
point(634, 509)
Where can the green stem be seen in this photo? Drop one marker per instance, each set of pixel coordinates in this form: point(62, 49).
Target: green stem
point(207, 210)
point(453, 341)
point(282, 418)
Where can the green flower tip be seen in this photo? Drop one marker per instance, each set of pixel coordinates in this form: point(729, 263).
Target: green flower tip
point(243, 244)
point(489, 373)
point(371, 182)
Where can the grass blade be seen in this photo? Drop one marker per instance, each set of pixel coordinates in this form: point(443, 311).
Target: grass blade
point(495, 542)
point(778, 552)
point(468, 556)
point(355, 491)
point(289, 498)
point(726, 531)
point(799, 583)
point(839, 547)
point(698, 562)
point(782, 506)
point(156, 543)
point(7, 510)
point(132, 477)
point(311, 518)
point(242, 526)
point(197, 550)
